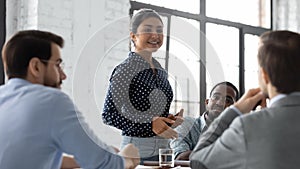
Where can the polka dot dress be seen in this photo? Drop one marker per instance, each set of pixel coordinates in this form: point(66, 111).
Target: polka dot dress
point(135, 95)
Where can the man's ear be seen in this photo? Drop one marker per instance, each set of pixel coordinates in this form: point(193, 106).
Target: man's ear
point(34, 67)
point(264, 75)
point(206, 101)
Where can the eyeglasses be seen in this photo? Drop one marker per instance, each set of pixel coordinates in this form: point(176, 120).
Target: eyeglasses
point(59, 63)
point(227, 99)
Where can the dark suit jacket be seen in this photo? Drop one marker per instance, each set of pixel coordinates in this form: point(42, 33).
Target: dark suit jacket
point(267, 139)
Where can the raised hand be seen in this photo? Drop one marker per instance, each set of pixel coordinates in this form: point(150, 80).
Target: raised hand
point(178, 118)
point(246, 103)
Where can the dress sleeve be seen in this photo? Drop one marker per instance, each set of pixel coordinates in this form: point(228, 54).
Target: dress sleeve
point(126, 118)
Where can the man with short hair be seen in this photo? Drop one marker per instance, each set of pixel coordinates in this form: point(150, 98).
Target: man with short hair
point(38, 123)
point(222, 95)
point(268, 138)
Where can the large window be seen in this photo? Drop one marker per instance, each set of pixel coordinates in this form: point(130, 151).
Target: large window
point(208, 42)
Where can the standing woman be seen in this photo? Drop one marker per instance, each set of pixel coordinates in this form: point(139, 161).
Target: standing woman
point(139, 95)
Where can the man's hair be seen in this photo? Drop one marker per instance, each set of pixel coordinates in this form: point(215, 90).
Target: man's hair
point(279, 56)
point(226, 84)
point(25, 45)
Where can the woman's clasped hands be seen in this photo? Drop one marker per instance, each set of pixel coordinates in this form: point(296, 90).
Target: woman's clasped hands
point(164, 126)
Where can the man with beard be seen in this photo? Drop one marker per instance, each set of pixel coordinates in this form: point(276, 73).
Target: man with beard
point(222, 95)
point(38, 123)
point(264, 139)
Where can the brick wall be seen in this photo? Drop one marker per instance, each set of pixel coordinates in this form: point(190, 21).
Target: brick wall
point(92, 30)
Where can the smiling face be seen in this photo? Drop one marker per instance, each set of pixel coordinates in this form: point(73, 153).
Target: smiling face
point(221, 97)
point(149, 35)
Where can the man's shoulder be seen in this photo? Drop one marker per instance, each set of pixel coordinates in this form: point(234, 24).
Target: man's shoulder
point(53, 98)
point(253, 117)
point(189, 119)
point(261, 118)
point(51, 91)
point(43, 94)
point(190, 124)
point(280, 110)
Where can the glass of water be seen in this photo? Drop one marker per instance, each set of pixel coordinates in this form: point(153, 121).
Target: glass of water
point(166, 157)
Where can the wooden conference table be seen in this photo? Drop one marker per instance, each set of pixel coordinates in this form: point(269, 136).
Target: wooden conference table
point(179, 164)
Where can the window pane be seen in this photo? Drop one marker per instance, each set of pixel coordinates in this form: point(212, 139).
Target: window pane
point(250, 12)
point(251, 63)
point(191, 6)
point(184, 65)
point(222, 55)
